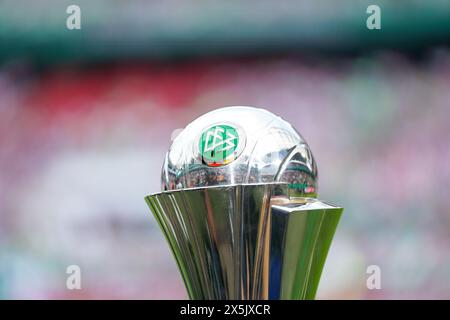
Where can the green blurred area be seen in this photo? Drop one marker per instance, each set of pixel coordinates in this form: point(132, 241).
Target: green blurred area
point(112, 30)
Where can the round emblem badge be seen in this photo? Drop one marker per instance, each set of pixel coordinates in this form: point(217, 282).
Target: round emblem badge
point(220, 144)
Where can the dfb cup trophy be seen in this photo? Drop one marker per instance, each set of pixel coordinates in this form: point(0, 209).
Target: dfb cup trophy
point(238, 208)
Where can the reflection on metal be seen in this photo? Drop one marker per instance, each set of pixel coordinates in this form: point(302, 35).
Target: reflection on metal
point(252, 241)
point(265, 149)
point(238, 208)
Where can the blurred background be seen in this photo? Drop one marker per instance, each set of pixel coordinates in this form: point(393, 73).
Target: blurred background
point(87, 115)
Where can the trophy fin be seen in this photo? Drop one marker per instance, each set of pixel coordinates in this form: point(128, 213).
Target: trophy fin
point(301, 234)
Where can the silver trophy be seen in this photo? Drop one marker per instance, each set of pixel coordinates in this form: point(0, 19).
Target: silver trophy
point(238, 207)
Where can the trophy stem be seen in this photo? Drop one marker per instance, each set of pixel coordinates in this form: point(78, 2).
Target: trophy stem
point(246, 241)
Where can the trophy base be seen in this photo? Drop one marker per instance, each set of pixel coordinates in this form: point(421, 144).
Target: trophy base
point(246, 242)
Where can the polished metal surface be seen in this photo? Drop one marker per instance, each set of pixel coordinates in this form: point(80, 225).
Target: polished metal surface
point(257, 147)
point(238, 208)
point(247, 241)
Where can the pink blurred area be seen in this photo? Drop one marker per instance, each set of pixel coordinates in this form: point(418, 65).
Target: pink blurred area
point(81, 146)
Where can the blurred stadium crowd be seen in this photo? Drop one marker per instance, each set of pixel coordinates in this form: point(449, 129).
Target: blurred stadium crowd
point(82, 142)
